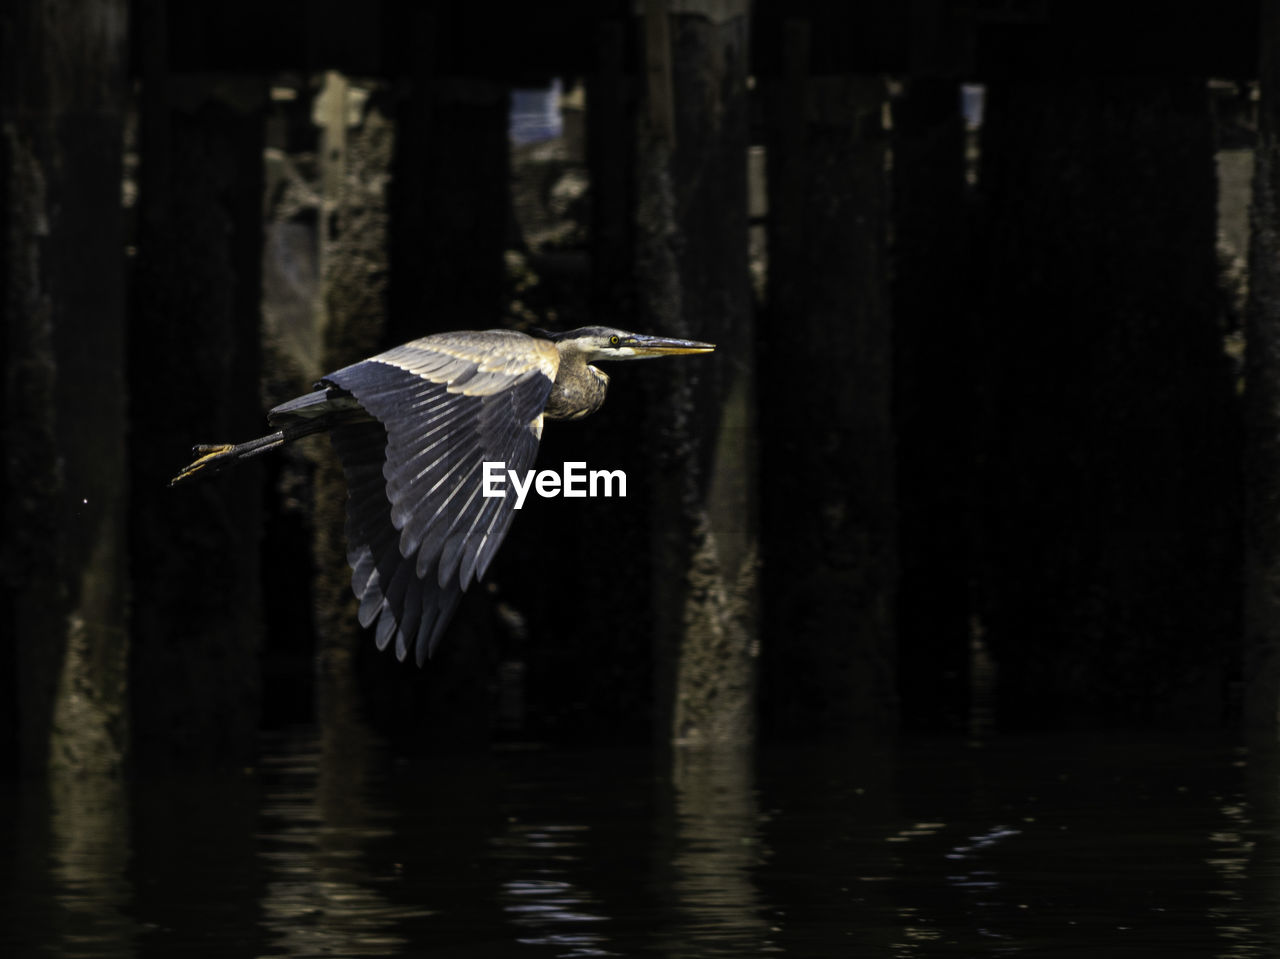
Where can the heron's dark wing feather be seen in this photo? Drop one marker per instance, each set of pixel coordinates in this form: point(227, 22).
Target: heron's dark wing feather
point(419, 530)
point(371, 539)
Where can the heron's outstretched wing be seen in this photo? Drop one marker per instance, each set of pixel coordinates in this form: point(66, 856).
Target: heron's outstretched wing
point(419, 530)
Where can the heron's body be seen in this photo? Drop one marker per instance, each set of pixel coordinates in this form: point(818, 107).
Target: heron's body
point(413, 427)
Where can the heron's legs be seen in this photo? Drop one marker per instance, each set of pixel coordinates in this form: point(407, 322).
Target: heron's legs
point(213, 459)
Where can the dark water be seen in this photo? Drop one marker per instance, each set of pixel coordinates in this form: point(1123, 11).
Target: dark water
point(1052, 847)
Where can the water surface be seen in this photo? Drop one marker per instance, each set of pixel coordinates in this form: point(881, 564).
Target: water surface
point(1062, 846)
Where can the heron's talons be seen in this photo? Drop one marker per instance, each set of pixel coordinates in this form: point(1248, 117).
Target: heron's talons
point(206, 455)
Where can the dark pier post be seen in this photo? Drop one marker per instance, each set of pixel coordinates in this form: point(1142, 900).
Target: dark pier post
point(933, 398)
point(1108, 445)
point(932, 379)
point(449, 193)
point(446, 220)
point(693, 281)
point(194, 371)
point(611, 134)
point(1262, 403)
point(65, 569)
point(355, 148)
point(827, 441)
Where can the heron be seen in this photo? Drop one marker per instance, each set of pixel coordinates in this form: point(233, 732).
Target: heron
point(413, 428)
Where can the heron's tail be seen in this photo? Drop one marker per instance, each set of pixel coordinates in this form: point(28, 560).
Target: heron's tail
point(214, 459)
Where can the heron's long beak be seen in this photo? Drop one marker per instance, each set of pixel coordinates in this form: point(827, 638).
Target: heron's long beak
point(662, 346)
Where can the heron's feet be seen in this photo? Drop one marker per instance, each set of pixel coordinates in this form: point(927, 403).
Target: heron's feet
point(206, 455)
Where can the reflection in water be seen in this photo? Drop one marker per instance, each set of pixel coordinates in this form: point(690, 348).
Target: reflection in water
point(1113, 848)
point(540, 900)
point(1250, 862)
point(321, 898)
point(66, 889)
point(88, 856)
point(1064, 847)
point(980, 884)
point(716, 848)
point(1230, 854)
point(601, 882)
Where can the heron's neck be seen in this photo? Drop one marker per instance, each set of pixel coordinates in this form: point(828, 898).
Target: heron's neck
point(579, 389)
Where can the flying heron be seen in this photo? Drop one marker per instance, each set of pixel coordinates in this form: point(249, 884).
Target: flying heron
point(413, 427)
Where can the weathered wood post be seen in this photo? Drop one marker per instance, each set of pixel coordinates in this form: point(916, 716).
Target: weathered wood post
point(356, 147)
point(65, 563)
point(693, 281)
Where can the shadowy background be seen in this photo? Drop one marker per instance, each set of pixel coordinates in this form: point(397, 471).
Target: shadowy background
point(990, 437)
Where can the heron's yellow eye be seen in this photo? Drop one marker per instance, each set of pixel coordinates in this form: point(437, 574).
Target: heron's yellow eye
point(613, 341)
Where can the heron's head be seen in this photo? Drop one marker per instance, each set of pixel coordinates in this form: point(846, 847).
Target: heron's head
point(605, 343)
